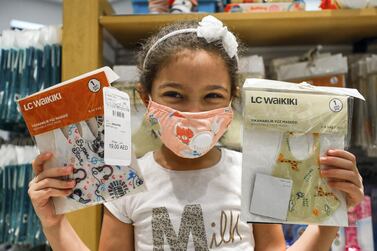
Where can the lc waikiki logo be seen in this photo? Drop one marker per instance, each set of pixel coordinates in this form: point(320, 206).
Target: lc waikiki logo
point(42, 101)
point(94, 85)
point(273, 100)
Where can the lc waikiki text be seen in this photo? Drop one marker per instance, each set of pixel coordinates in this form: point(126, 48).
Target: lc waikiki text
point(43, 101)
point(275, 101)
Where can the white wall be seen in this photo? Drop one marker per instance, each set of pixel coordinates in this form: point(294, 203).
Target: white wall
point(122, 7)
point(36, 11)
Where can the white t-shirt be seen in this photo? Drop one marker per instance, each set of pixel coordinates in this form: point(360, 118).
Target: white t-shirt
point(187, 210)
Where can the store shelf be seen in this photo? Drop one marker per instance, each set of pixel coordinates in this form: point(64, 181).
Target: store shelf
point(260, 29)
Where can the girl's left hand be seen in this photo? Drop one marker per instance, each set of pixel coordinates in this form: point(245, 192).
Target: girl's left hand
point(342, 174)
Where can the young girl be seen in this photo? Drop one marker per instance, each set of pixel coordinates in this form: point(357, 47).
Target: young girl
point(188, 80)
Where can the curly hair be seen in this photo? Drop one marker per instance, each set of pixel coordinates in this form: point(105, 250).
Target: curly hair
point(161, 54)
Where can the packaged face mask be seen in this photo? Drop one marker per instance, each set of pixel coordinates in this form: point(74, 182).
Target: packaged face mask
point(286, 129)
point(358, 78)
point(86, 124)
point(371, 97)
point(321, 70)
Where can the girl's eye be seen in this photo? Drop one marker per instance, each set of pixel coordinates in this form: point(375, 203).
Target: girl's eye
point(214, 95)
point(172, 94)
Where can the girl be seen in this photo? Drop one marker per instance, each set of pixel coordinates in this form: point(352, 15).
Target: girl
point(188, 80)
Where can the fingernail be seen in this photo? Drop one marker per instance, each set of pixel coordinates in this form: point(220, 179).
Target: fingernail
point(47, 154)
point(331, 151)
point(322, 158)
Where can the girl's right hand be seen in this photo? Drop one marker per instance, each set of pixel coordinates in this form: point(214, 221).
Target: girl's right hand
point(45, 185)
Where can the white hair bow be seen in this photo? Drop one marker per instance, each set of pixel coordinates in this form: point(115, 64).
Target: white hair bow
point(212, 29)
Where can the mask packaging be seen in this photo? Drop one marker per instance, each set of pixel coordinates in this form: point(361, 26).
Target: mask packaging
point(249, 67)
point(70, 120)
point(371, 98)
point(143, 140)
point(318, 70)
point(276, 63)
point(372, 3)
point(364, 224)
point(359, 234)
point(287, 128)
point(359, 127)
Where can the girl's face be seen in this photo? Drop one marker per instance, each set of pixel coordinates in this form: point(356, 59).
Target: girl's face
point(193, 81)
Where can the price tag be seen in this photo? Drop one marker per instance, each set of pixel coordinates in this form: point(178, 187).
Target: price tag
point(117, 123)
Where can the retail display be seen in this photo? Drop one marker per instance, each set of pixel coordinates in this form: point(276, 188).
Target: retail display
point(77, 137)
point(347, 4)
point(29, 62)
point(151, 6)
point(287, 127)
point(18, 222)
point(183, 6)
point(358, 78)
point(316, 69)
point(176, 6)
point(364, 77)
point(248, 7)
point(251, 67)
point(371, 97)
point(359, 234)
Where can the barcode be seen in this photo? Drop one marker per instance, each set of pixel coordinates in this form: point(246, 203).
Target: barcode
point(118, 114)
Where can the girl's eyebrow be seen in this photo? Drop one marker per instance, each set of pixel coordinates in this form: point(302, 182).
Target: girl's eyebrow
point(179, 86)
point(173, 85)
point(217, 87)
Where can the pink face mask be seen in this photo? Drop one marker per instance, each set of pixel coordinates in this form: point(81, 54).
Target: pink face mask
point(188, 134)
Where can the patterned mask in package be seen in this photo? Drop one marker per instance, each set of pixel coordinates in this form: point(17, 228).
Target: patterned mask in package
point(311, 198)
point(76, 136)
point(287, 128)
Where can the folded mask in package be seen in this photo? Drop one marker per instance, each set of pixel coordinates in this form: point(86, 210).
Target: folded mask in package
point(70, 120)
point(286, 129)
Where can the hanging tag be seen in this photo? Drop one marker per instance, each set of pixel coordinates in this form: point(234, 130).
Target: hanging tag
point(117, 123)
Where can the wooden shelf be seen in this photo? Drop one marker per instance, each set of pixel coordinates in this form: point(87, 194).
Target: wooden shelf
point(260, 29)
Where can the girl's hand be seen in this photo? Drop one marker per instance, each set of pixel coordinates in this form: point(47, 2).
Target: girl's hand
point(46, 184)
point(342, 174)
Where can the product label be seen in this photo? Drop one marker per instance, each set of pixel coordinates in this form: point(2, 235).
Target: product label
point(296, 112)
point(117, 117)
point(64, 105)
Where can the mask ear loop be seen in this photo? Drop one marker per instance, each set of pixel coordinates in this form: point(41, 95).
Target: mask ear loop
point(149, 101)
